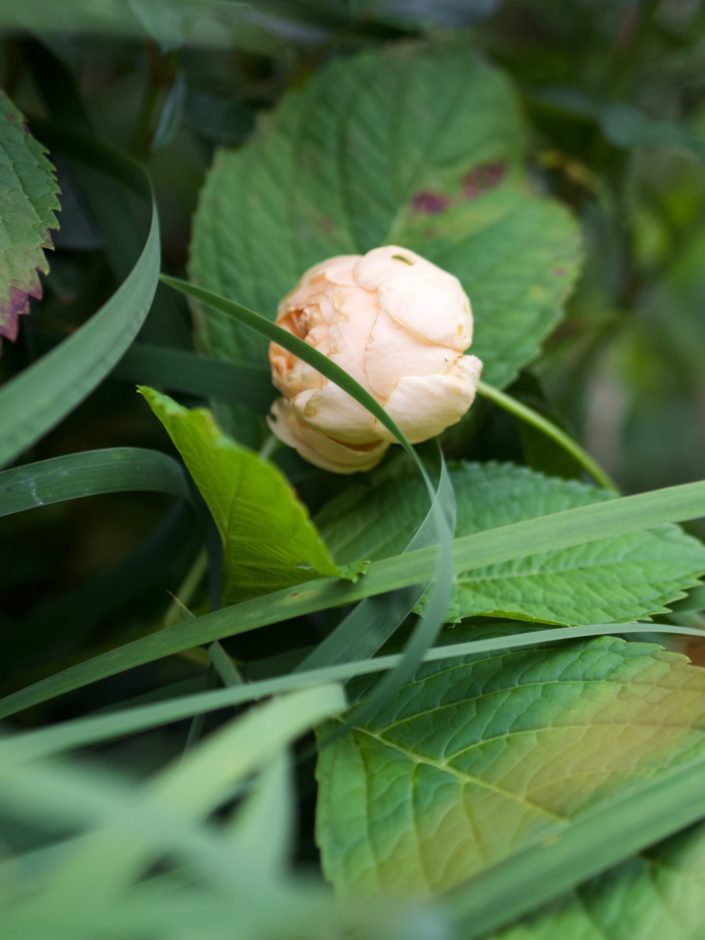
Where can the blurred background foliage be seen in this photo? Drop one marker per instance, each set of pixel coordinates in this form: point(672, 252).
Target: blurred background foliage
point(614, 93)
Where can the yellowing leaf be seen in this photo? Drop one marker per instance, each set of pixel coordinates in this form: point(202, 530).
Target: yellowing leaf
point(658, 895)
point(478, 758)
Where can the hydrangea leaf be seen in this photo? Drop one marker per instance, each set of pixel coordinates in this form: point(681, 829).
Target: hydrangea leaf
point(269, 541)
point(478, 758)
point(417, 144)
point(629, 577)
point(655, 895)
point(28, 204)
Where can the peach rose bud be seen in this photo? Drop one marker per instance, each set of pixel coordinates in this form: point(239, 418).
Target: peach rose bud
point(400, 326)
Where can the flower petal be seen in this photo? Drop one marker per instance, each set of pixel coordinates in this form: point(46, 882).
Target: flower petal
point(423, 407)
point(392, 353)
point(418, 295)
point(333, 412)
point(319, 449)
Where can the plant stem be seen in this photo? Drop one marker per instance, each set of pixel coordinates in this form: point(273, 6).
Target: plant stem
point(269, 446)
point(186, 590)
point(524, 413)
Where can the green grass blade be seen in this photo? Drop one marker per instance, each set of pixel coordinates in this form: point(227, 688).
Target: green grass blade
point(90, 473)
point(141, 717)
point(37, 399)
point(442, 516)
point(194, 787)
point(180, 371)
point(375, 619)
point(558, 530)
point(265, 823)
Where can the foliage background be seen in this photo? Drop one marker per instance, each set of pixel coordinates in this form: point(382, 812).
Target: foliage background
point(613, 93)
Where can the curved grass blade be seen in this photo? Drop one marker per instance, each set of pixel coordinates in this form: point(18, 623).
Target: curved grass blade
point(298, 347)
point(195, 786)
point(375, 619)
point(90, 473)
point(37, 399)
point(443, 517)
point(250, 386)
point(558, 530)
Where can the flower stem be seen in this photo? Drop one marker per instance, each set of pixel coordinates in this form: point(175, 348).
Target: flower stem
point(269, 446)
point(178, 609)
point(524, 413)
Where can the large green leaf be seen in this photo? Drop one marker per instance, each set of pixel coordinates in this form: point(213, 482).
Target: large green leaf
point(419, 145)
point(28, 204)
point(269, 541)
point(653, 896)
point(478, 758)
point(621, 578)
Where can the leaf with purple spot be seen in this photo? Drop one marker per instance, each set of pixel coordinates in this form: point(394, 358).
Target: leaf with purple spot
point(28, 205)
point(419, 144)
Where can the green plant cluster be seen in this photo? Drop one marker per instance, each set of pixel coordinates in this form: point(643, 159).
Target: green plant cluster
point(461, 696)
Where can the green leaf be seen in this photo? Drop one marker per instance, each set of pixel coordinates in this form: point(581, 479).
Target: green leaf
point(654, 895)
point(90, 473)
point(479, 758)
point(269, 541)
point(419, 145)
point(40, 396)
point(28, 204)
point(610, 833)
point(624, 577)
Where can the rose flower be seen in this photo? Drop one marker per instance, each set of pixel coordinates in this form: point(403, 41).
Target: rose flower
point(400, 326)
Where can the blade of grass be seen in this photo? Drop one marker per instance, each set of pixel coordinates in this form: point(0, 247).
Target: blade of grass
point(375, 619)
point(519, 540)
point(442, 516)
point(40, 396)
point(193, 787)
point(179, 370)
point(265, 822)
point(90, 473)
point(132, 720)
